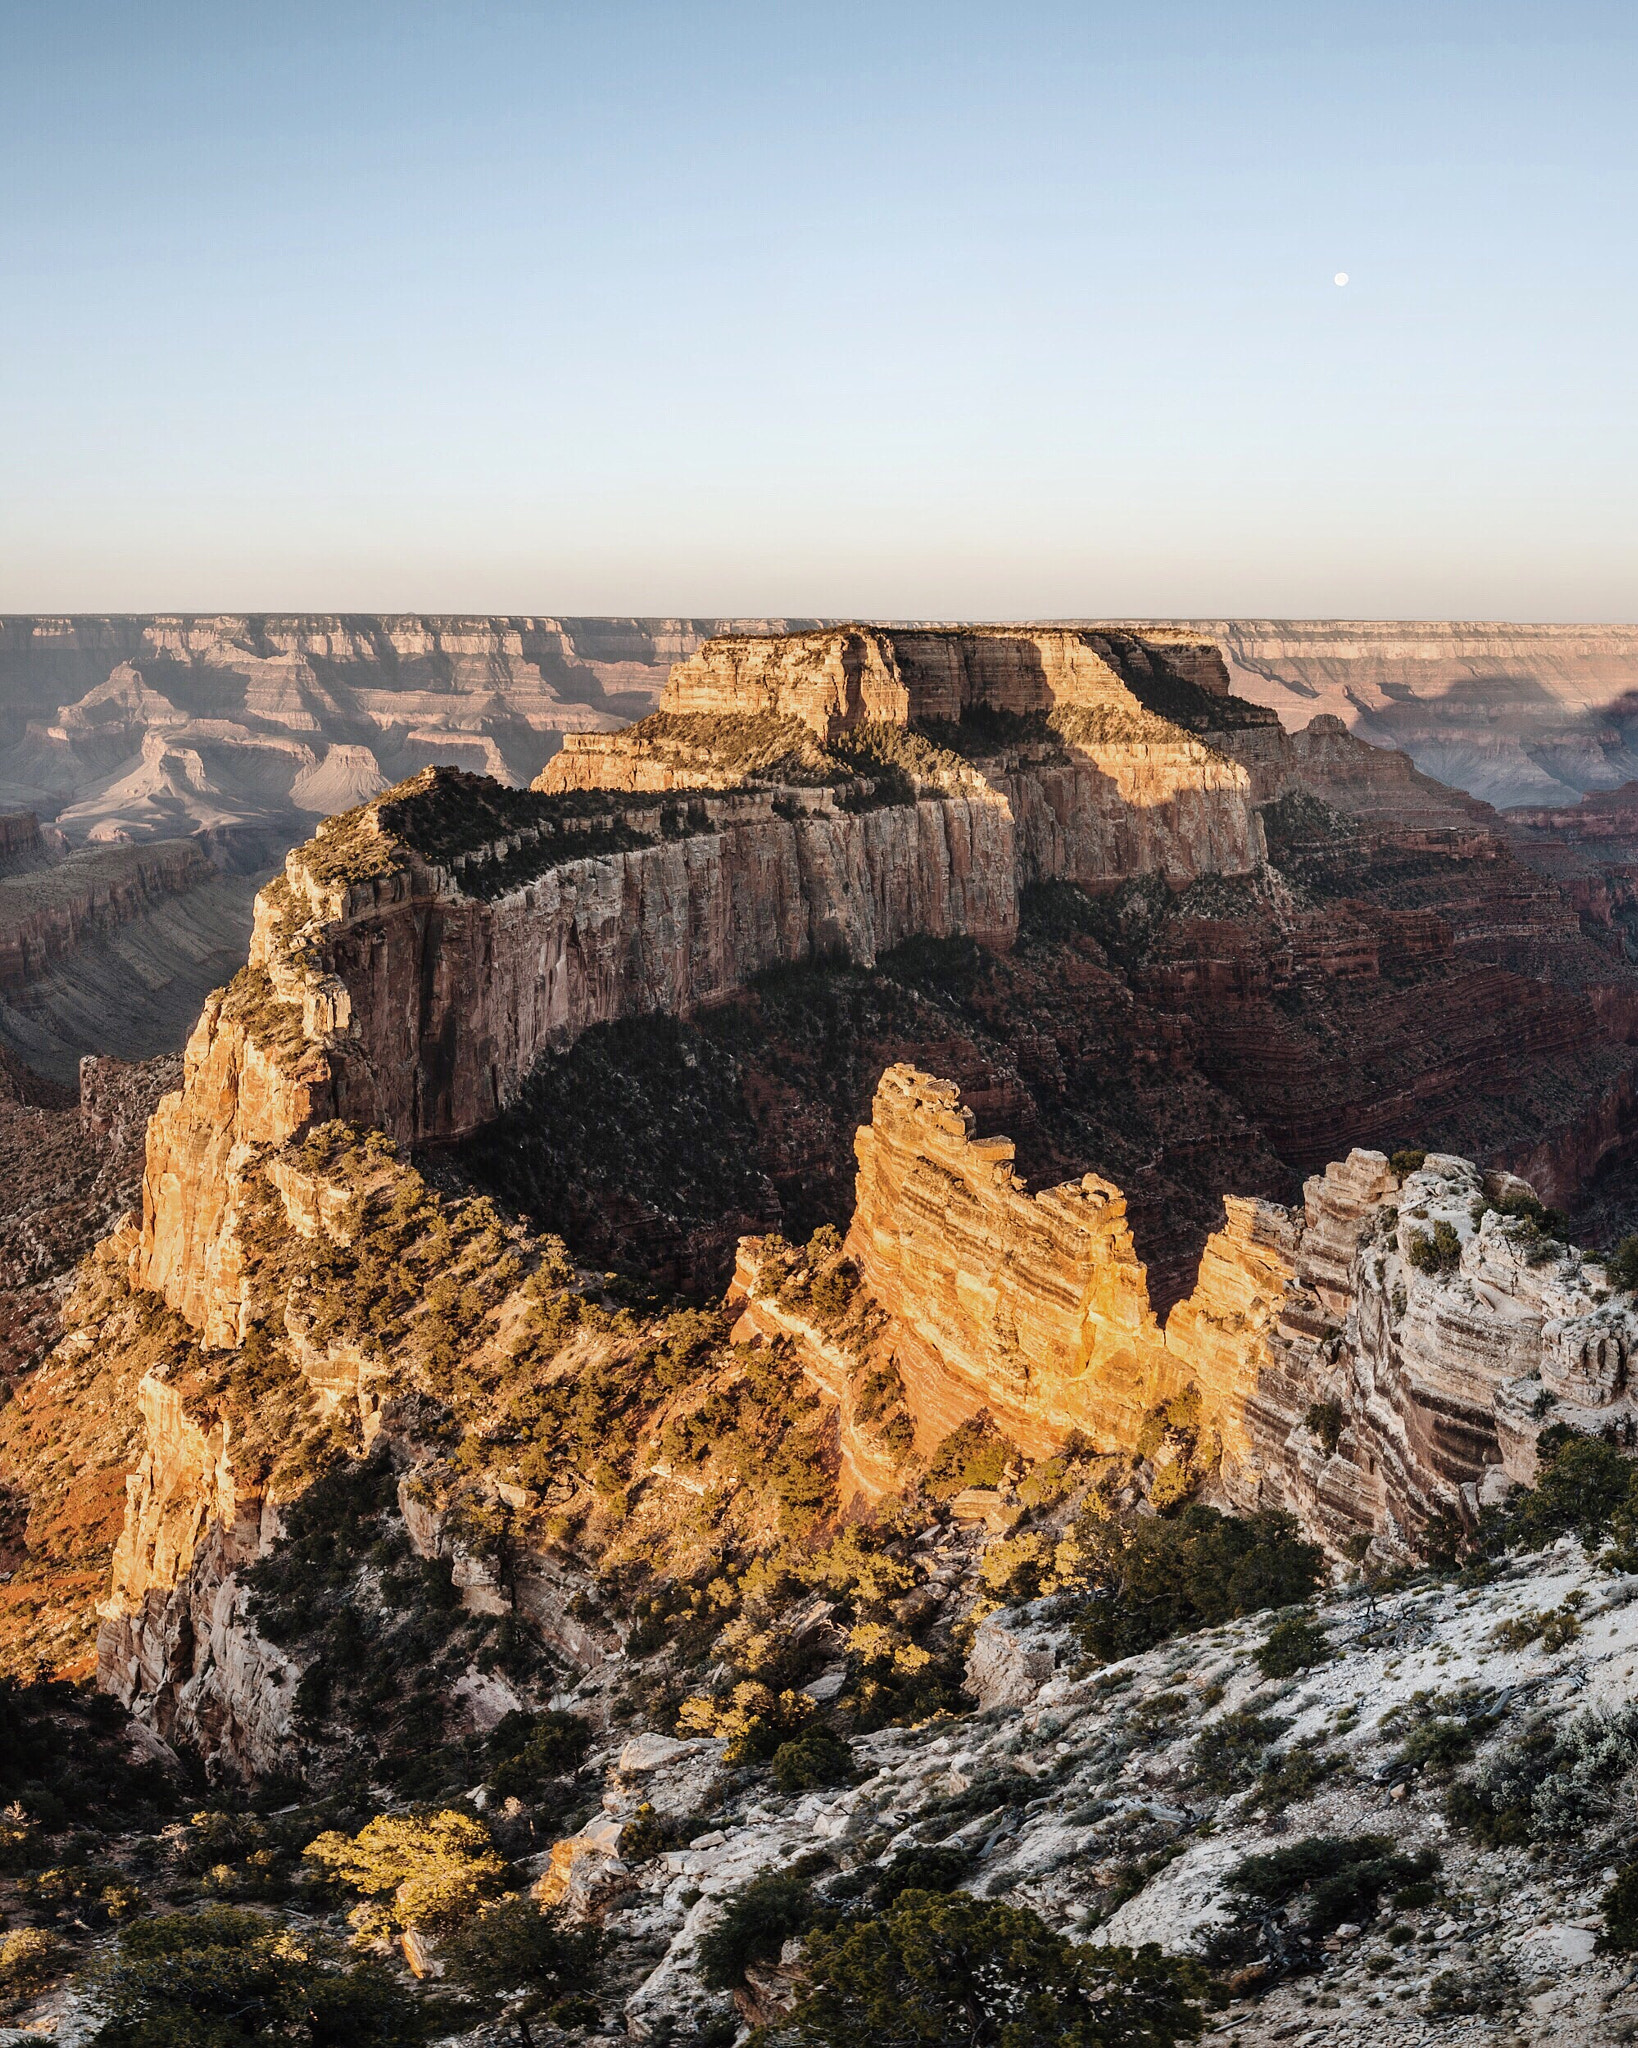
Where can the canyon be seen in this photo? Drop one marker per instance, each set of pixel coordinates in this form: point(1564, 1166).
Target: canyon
point(141, 727)
point(733, 1205)
point(122, 727)
point(1515, 714)
point(421, 956)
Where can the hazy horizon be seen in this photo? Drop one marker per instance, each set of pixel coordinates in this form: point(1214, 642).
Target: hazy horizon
point(906, 311)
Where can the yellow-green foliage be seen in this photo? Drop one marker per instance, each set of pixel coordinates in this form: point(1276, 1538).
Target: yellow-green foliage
point(422, 1870)
point(753, 1719)
point(28, 1957)
point(974, 1454)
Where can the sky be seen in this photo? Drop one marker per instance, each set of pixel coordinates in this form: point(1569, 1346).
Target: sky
point(890, 310)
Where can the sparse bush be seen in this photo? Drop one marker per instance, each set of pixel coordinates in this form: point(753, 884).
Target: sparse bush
point(1293, 1776)
point(975, 1454)
point(756, 1923)
point(1229, 1752)
point(1556, 1781)
point(1408, 1161)
point(818, 1756)
point(1291, 1646)
point(1485, 1987)
point(1332, 1878)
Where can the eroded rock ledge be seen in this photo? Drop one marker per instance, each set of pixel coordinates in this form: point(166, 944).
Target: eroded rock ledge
point(1383, 1356)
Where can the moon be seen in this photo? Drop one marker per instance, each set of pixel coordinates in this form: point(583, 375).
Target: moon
point(1340, 278)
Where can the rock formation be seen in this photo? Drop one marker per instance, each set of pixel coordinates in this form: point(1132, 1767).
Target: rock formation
point(1031, 1306)
point(420, 957)
point(1514, 714)
point(158, 727)
point(1432, 1331)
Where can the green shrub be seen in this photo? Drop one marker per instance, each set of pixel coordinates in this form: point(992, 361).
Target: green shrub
point(818, 1756)
point(944, 1968)
point(1150, 1577)
point(1229, 1752)
point(756, 1923)
point(512, 1951)
point(1293, 1776)
point(1585, 1487)
point(1439, 1252)
point(533, 1750)
point(1619, 1906)
point(1484, 1987)
point(920, 1870)
point(1325, 1420)
point(975, 1454)
point(1333, 1878)
point(219, 1977)
point(1555, 1782)
point(1621, 1267)
point(1408, 1161)
point(1291, 1646)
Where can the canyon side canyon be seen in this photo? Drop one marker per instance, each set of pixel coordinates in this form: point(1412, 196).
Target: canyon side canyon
point(897, 1046)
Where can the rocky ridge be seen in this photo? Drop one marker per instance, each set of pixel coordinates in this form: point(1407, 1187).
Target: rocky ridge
point(533, 1489)
point(1378, 1360)
point(130, 727)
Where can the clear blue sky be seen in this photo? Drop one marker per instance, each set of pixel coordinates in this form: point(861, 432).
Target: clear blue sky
point(898, 309)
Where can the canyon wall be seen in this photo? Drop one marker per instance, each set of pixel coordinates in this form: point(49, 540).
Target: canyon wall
point(1512, 713)
point(835, 677)
point(419, 956)
point(110, 949)
point(132, 727)
point(1344, 1373)
point(50, 912)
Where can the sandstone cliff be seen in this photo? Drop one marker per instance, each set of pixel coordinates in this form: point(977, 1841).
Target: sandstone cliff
point(1430, 1371)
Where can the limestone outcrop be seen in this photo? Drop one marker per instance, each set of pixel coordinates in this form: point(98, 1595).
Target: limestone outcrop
point(837, 677)
point(1380, 1358)
point(1032, 1306)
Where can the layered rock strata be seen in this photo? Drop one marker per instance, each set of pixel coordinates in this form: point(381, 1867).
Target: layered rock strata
point(422, 953)
point(1032, 1306)
point(1375, 1360)
point(1512, 713)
